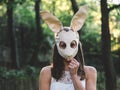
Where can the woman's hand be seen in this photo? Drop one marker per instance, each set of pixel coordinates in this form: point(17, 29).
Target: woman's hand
point(73, 66)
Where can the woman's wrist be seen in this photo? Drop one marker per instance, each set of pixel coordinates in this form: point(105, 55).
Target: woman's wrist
point(75, 76)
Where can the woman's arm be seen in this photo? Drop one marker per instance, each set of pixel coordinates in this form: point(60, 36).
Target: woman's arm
point(91, 76)
point(91, 80)
point(45, 78)
point(77, 83)
point(73, 68)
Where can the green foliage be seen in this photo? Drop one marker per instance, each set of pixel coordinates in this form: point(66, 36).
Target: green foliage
point(100, 81)
point(118, 83)
point(90, 39)
point(3, 1)
point(24, 14)
point(65, 18)
point(28, 72)
point(31, 71)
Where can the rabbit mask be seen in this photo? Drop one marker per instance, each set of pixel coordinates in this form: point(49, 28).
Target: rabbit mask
point(66, 38)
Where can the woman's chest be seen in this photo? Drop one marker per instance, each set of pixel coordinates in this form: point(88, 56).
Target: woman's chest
point(65, 83)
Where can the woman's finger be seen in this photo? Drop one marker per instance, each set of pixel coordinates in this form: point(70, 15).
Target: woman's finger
point(75, 62)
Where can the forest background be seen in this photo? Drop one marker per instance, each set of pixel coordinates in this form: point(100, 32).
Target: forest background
point(26, 42)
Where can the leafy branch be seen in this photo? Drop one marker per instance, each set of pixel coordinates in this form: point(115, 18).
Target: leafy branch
point(113, 7)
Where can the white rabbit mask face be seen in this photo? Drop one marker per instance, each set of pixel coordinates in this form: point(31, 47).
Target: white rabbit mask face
point(67, 43)
point(66, 38)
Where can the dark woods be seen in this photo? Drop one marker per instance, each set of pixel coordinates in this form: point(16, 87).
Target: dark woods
point(26, 43)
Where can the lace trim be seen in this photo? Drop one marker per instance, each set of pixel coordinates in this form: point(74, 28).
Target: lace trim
point(66, 78)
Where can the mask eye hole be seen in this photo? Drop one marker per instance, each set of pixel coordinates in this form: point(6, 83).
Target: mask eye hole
point(73, 44)
point(62, 45)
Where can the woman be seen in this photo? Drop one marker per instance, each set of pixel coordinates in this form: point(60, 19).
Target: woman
point(68, 71)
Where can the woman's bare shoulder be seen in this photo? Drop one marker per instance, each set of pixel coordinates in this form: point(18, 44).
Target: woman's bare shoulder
point(90, 68)
point(46, 71)
point(45, 78)
point(90, 71)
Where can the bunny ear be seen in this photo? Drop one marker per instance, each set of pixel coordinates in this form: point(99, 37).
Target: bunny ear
point(79, 19)
point(53, 23)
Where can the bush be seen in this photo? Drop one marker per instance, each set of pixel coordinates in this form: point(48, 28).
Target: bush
point(28, 72)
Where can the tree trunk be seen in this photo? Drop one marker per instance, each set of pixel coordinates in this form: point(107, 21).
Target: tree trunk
point(74, 6)
point(106, 48)
point(34, 60)
point(11, 35)
point(22, 54)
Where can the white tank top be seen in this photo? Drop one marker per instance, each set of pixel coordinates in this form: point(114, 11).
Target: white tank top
point(65, 83)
